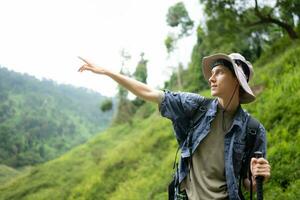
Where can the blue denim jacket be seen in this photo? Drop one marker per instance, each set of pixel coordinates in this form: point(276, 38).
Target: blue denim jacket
point(179, 108)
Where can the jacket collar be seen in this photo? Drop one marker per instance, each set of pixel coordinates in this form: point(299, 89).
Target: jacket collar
point(212, 109)
point(239, 116)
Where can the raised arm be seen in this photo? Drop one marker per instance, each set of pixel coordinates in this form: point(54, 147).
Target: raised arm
point(138, 88)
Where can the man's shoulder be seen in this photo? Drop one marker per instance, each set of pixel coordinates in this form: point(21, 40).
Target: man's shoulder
point(185, 102)
point(183, 96)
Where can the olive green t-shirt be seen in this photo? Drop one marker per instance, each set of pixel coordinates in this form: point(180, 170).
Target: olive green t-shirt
point(206, 179)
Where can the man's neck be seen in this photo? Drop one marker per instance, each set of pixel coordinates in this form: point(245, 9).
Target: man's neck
point(231, 106)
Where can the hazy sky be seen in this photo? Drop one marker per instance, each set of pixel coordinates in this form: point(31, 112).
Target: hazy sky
point(44, 37)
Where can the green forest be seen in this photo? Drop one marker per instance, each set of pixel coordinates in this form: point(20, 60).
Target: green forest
point(133, 157)
point(40, 120)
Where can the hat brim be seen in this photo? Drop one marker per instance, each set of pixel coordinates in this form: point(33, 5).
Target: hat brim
point(245, 97)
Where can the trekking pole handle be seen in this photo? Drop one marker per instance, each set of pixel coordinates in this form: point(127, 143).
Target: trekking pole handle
point(259, 179)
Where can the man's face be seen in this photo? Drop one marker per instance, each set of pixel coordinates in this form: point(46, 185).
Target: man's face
point(222, 82)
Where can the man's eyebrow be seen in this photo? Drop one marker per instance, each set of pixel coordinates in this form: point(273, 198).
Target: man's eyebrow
point(216, 69)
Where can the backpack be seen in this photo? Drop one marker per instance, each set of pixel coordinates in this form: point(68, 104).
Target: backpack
point(251, 135)
point(174, 192)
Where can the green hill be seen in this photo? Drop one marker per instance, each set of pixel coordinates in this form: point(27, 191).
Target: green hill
point(40, 120)
point(134, 161)
point(6, 173)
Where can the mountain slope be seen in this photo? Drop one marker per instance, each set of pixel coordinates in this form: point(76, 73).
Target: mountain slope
point(134, 161)
point(121, 155)
point(41, 119)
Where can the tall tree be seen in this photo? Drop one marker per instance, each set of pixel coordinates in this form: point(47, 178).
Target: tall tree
point(141, 75)
point(125, 56)
point(179, 18)
point(125, 108)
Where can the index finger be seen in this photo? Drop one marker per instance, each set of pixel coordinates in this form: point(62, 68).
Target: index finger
point(84, 60)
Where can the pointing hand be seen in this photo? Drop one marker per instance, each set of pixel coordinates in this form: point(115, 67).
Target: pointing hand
point(90, 67)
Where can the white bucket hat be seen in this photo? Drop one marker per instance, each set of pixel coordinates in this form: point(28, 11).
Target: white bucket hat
point(245, 97)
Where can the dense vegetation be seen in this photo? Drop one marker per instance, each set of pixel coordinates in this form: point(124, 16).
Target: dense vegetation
point(40, 120)
point(133, 159)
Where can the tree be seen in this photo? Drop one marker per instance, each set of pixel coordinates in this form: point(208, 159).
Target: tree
point(125, 108)
point(141, 75)
point(284, 14)
point(170, 43)
point(178, 17)
point(286, 9)
point(106, 105)
point(125, 56)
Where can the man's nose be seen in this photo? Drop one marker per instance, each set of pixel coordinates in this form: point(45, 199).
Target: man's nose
point(211, 79)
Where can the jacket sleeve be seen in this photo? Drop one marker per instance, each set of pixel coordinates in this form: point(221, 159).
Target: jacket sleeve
point(179, 108)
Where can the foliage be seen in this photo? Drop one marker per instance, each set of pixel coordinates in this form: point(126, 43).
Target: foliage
point(122, 92)
point(134, 160)
point(278, 109)
point(6, 173)
point(233, 26)
point(283, 14)
point(93, 170)
point(170, 43)
point(140, 73)
point(126, 108)
point(40, 120)
point(178, 16)
point(106, 105)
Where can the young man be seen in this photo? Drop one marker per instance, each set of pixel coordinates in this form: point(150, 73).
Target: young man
point(210, 168)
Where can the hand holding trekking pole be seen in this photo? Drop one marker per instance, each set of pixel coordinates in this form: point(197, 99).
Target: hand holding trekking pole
point(259, 179)
point(259, 168)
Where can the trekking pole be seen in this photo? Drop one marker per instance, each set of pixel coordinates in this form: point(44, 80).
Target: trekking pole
point(259, 179)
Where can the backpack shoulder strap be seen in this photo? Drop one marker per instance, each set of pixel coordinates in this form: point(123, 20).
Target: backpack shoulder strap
point(252, 126)
point(251, 135)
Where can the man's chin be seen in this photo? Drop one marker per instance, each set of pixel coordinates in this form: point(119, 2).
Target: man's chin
point(213, 93)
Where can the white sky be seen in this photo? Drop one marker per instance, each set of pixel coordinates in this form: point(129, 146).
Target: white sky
point(44, 37)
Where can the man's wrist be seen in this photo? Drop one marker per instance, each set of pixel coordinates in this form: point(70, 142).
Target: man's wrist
point(253, 182)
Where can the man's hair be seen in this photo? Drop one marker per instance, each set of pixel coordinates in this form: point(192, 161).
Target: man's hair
point(228, 64)
point(224, 63)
